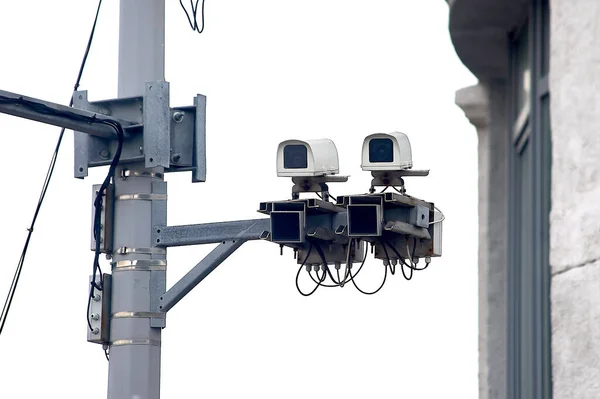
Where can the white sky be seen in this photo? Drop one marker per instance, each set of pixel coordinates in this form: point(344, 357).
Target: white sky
point(272, 70)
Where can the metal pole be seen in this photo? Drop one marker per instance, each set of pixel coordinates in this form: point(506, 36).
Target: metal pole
point(135, 335)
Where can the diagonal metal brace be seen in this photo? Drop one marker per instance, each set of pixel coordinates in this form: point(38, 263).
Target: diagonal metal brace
point(197, 274)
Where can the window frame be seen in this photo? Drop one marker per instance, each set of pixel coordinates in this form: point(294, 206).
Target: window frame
point(530, 131)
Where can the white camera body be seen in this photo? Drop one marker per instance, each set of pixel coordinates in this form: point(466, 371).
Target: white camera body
point(386, 152)
point(310, 158)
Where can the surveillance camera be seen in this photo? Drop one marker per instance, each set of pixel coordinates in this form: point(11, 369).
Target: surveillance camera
point(386, 152)
point(307, 158)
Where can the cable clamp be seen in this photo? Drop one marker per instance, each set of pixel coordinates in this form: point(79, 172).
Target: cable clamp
point(138, 315)
point(139, 265)
point(122, 342)
point(125, 173)
point(142, 197)
point(148, 251)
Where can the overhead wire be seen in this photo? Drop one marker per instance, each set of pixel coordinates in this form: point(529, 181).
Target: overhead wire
point(47, 179)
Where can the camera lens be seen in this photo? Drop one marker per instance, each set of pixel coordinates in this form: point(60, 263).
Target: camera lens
point(295, 156)
point(381, 150)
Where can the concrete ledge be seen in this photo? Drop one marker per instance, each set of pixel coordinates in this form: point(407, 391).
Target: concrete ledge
point(479, 31)
point(474, 101)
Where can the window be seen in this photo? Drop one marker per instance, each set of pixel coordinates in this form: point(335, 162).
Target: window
point(529, 364)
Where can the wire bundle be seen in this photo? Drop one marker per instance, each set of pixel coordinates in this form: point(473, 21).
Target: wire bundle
point(319, 280)
point(193, 20)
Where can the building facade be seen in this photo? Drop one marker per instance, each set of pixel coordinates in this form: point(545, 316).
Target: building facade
point(535, 109)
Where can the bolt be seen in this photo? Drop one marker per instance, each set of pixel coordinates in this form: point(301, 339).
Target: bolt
point(178, 117)
point(176, 158)
point(95, 316)
point(105, 154)
point(96, 331)
point(97, 297)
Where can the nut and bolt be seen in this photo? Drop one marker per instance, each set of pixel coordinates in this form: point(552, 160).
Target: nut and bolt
point(178, 117)
point(104, 154)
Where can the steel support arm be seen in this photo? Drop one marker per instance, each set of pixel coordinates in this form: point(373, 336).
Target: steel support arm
point(210, 233)
point(197, 274)
point(57, 115)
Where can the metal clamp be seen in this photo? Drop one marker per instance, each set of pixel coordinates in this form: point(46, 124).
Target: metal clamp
point(121, 342)
point(138, 315)
point(125, 173)
point(140, 265)
point(142, 196)
point(148, 251)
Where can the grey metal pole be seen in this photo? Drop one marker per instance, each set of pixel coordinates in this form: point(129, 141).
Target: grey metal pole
point(135, 335)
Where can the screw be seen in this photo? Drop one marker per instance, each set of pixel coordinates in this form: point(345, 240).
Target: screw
point(178, 117)
point(95, 316)
point(176, 158)
point(105, 154)
point(96, 331)
point(97, 297)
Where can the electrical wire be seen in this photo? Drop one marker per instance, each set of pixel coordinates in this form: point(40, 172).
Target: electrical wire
point(353, 276)
point(373, 292)
point(298, 274)
point(440, 220)
point(49, 173)
point(194, 23)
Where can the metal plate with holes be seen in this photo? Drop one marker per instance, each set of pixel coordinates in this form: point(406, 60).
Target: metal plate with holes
point(179, 146)
point(99, 313)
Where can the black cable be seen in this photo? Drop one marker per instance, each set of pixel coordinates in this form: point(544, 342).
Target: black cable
point(98, 214)
point(352, 276)
point(298, 275)
point(194, 23)
point(370, 293)
point(13, 286)
point(348, 271)
point(387, 255)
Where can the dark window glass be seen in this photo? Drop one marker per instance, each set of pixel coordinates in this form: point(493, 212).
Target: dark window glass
point(545, 37)
point(295, 156)
point(381, 150)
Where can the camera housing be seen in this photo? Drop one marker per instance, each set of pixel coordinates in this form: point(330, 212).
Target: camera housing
point(386, 152)
point(299, 158)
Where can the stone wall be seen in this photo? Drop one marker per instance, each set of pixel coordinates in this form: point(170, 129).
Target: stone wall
point(575, 214)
